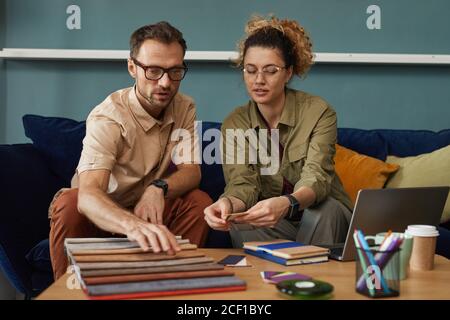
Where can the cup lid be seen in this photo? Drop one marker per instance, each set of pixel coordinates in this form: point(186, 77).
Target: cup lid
point(421, 230)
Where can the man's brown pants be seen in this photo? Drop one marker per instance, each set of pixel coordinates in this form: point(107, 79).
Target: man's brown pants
point(182, 216)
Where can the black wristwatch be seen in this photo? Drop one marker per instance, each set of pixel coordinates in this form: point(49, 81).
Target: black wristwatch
point(294, 213)
point(160, 184)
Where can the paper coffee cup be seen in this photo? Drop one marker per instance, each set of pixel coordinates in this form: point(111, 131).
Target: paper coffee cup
point(424, 246)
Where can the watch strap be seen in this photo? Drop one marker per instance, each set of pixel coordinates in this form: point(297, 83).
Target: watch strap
point(160, 184)
point(294, 213)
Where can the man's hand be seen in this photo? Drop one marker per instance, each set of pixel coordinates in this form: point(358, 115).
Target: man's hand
point(266, 213)
point(149, 235)
point(215, 214)
point(151, 205)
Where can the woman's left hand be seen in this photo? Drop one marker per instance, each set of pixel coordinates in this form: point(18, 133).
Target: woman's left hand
point(266, 213)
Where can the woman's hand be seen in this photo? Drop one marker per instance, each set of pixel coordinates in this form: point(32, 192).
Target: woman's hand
point(266, 213)
point(215, 214)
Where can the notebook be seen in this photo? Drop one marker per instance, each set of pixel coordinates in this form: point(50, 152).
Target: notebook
point(287, 262)
point(286, 249)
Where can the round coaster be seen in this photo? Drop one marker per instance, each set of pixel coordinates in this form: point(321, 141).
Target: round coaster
point(304, 288)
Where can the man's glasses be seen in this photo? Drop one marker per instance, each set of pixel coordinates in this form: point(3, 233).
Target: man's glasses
point(269, 70)
point(156, 73)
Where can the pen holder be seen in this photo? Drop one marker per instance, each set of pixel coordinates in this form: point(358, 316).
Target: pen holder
point(378, 272)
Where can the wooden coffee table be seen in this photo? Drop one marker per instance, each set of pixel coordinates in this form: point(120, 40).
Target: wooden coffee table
point(419, 284)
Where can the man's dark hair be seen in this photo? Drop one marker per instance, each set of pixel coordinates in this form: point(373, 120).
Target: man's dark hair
point(161, 31)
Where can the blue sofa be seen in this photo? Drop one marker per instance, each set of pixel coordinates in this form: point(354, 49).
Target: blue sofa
point(30, 174)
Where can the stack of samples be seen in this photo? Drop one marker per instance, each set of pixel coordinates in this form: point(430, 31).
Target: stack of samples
point(116, 268)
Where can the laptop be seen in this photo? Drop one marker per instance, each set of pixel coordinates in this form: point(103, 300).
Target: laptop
point(380, 210)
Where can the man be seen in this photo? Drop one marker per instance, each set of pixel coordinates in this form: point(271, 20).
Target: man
point(122, 184)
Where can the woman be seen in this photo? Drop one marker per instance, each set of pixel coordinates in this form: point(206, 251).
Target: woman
point(304, 199)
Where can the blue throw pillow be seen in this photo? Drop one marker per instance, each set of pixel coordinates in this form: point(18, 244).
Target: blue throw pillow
point(59, 140)
point(379, 143)
point(408, 143)
point(367, 142)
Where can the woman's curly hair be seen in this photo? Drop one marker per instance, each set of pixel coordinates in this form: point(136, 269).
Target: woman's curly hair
point(286, 35)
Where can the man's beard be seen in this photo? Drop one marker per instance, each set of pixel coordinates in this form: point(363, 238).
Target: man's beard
point(154, 103)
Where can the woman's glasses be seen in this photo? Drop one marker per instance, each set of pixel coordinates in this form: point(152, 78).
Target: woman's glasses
point(269, 70)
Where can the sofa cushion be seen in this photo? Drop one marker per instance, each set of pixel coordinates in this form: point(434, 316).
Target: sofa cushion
point(39, 257)
point(27, 186)
point(41, 280)
point(426, 170)
point(367, 142)
point(358, 171)
point(406, 143)
point(379, 143)
point(212, 181)
point(443, 242)
point(59, 140)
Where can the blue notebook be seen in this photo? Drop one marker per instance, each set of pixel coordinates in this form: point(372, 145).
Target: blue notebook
point(286, 249)
point(287, 262)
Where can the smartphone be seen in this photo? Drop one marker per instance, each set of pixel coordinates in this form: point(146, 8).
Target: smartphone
point(231, 260)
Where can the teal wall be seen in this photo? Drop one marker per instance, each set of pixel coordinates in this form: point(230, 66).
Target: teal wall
point(335, 25)
point(365, 96)
point(2, 74)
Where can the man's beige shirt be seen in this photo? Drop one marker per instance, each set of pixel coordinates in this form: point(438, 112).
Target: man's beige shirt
point(123, 138)
point(308, 133)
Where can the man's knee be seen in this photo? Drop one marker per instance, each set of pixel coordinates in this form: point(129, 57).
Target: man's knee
point(199, 200)
point(65, 209)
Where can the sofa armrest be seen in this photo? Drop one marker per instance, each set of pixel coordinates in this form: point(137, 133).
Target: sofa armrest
point(26, 186)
